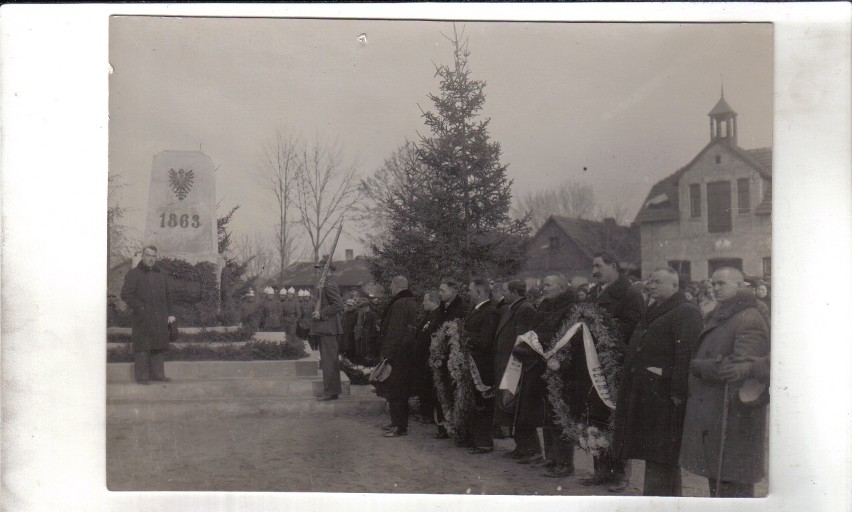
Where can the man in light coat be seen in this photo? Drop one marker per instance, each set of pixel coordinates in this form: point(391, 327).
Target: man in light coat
point(735, 339)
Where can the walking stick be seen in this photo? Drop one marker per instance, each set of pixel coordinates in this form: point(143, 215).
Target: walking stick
point(726, 402)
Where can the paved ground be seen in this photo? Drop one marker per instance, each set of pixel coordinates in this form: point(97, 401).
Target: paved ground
point(315, 453)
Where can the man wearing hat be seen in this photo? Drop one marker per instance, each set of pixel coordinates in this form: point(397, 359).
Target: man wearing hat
point(248, 311)
point(327, 327)
point(350, 318)
point(272, 311)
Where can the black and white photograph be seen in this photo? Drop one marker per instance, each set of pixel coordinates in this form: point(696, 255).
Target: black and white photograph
point(439, 256)
point(425, 257)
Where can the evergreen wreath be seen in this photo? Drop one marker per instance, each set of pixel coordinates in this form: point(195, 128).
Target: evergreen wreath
point(450, 357)
point(590, 438)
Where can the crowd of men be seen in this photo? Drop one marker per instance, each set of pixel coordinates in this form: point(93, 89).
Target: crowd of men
point(686, 396)
point(693, 383)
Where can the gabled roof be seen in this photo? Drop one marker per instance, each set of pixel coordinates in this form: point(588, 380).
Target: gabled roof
point(721, 107)
point(594, 236)
point(349, 273)
point(662, 203)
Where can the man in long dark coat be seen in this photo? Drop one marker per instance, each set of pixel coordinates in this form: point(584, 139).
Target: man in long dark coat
point(398, 346)
point(326, 326)
point(652, 393)
point(480, 326)
point(534, 410)
point(517, 319)
point(425, 328)
point(732, 346)
point(148, 293)
point(291, 313)
point(350, 318)
point(624, 304)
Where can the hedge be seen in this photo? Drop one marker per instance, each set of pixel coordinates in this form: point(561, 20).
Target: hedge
point(250, 351)
point(204, 336)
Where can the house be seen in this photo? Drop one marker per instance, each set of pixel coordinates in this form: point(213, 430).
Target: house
point(352, 274)
point(568, 245)
point(713, 212)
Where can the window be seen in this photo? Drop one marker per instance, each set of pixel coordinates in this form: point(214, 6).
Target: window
point(695, 200)
point(554, 243)
point(718, 159)
point(744, 195)
point(719, 207)
point(683, 269)
point(715, 264)
point(767, 267)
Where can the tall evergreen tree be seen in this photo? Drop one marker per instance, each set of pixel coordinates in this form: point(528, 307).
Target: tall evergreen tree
point(449, 216)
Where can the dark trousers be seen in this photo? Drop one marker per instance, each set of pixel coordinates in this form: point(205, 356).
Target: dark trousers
point(428, 400)
point(731, 489)
point(613, 469)
point(330, 364)
point(526, 440)
point(557, 448)
point(399, 412)
point(482, 425)
point(661, 479)
point(149, 364)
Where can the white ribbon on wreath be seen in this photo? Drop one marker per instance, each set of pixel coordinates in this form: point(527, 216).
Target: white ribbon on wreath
point(512, 374)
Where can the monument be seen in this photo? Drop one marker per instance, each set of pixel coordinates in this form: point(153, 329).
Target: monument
point(182, 207)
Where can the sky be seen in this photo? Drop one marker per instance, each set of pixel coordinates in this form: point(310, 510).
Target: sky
point(614, 106)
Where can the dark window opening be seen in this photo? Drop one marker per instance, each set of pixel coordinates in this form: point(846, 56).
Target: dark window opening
point(695, 200)
point(719, 207)
point(684, 270)
point(718, 159)
point(555, 243)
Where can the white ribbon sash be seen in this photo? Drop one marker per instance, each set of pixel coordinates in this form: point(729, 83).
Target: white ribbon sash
point(487, 391)
point(514, 369)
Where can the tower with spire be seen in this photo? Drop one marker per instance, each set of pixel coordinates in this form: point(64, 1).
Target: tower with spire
point(723, 121)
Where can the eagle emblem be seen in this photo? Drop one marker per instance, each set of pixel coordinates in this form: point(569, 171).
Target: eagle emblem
point(181, 182)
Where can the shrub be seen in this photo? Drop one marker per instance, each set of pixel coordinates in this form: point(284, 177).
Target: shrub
point(251, 351)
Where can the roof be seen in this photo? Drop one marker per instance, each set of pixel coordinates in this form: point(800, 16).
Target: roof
point(594, 236)
point(721, 107)
point(662, 203)
point(349, 273)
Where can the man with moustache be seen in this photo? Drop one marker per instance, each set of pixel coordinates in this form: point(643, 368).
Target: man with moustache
point(624, 304)
point(534, 410)
point(733, 347)
point(652, 393)
point(480, 325)
point(516, 320)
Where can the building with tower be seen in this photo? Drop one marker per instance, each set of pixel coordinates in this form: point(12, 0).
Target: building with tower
point(713, 212)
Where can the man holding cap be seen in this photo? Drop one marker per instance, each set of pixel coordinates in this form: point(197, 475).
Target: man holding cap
point(326, 326)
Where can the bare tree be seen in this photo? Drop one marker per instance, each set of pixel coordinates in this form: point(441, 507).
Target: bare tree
point(278, 174)
point(571, 199)
point(327, 191)
point(258, 254)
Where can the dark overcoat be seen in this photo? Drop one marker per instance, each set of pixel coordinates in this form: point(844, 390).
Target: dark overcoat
point(148, 293)
point(398, 345)
point(735, 328)
point(480, 326)
point(368, 339)
point(273, 313)
point(455, 310)
point(425, 328)
point(330, 311)
point(648, 423)
point(347, 343)
point(624, 305)
point(532, 396)
point(516, 320)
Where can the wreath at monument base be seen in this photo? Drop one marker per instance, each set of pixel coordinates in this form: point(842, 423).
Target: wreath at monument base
point(591, 438)
point(449, 356)
point(357, 373)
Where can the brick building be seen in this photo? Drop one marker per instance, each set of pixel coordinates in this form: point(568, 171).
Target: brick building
point(715, 211)
point(567, 246)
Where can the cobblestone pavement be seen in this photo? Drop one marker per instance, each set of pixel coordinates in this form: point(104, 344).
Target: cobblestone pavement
point(332, 454)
